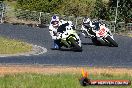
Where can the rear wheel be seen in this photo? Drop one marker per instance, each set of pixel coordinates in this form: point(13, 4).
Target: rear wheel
point(75, 45)
point(111, 41)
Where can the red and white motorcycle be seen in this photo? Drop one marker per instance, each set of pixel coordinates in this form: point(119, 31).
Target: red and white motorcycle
point(100, 34)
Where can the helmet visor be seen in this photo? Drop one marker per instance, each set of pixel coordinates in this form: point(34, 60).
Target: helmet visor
point(55, 23)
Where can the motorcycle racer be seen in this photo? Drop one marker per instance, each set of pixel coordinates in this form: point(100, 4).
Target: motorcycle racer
point(87, 25)
point(54, 24)
point(98, 32)
point(57, 26)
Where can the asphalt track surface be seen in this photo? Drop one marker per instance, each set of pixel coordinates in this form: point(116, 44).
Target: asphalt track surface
point(90, 56)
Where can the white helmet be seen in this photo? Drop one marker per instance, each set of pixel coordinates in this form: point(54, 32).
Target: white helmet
point(55, 21)
point(86, 20)
point(70, 22)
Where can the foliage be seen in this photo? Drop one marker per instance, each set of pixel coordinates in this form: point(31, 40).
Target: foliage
point(38, 5)
point(67, 7)
point(2, 0)
point(124, 9)
point(100, 10)
point(77, 7)
point(93, 8)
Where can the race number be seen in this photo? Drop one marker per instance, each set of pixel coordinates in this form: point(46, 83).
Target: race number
point(101, 31)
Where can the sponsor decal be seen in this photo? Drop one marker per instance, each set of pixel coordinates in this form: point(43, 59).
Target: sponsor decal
point(101, 31)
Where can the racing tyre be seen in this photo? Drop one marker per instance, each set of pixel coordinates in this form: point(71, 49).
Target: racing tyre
point(75, 45)
point(111, 41)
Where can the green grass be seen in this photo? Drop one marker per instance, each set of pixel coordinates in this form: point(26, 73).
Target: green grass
point(8, 46)
point(27, 80)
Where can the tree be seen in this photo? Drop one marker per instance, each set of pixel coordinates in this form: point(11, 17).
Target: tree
point(2, 0)
point(124, 9)
point(38, 5)
point(100, 10)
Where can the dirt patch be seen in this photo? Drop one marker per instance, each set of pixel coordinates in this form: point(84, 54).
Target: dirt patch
point(13, 69)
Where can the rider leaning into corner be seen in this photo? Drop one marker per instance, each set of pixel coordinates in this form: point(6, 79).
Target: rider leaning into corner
point(57, 25)
point(87, 23)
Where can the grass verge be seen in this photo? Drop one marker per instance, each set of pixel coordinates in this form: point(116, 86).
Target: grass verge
point(29, 80)
point(57, 76)
point(8, 46)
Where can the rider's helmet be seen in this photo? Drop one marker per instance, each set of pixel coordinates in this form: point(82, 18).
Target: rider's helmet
point(86, 22)
point(55, 21)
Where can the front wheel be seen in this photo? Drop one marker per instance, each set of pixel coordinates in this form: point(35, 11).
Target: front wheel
point(111, 41)
point(75, 45)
